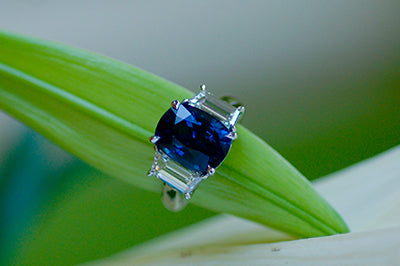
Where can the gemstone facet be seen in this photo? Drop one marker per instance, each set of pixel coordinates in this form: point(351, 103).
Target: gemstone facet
point(193, 138)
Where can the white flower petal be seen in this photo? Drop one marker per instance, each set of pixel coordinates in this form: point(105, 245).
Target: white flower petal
point(362, 248)
point(367, 195)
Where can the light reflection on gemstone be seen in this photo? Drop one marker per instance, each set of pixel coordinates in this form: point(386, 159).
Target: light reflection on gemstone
point(193, 138)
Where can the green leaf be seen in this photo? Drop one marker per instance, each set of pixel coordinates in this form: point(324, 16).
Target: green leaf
point(104, 112)
point(52, 201)
point(95, 216)
point(224, 239)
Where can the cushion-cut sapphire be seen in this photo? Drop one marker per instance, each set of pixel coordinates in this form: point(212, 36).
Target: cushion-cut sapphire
point(193, 138)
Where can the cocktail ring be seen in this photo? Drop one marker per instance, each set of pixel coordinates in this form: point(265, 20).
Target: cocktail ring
point(191, 140)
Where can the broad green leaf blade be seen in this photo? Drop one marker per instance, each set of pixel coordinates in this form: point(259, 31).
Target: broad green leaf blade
point(95, 216)
point(104, 111)
point(372, 186)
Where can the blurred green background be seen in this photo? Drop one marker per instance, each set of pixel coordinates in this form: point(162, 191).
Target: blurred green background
point(320, 81)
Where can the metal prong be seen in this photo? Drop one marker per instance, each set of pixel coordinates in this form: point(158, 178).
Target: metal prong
point(175, 104)
point(187, 195)
point(150, 172)
point(236, 115)
point(203, 87)
point(210, 170)
point(154, 139)
point(232, 135)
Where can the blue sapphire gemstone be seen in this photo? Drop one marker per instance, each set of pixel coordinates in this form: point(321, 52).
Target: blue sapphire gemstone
point(193, 138)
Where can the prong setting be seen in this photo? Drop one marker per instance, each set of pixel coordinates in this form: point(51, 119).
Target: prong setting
point(210, 171)
point(154, 139)
point(175, 104)
point(180, 175)
point(232, 135)
point(236, 115)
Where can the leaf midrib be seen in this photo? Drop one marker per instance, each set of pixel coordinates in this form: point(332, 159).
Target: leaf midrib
point(138, 133)
point(83, 105)
point(320, 225)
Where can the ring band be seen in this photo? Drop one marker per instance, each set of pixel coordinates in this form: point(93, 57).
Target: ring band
point(191, 140)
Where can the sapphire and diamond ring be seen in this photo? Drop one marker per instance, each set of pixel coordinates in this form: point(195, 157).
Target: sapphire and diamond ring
point(191, 140)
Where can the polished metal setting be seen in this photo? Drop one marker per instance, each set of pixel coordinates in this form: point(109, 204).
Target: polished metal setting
point(180, 182)
point(175, 104)
point(154, 139)
point(173, 200)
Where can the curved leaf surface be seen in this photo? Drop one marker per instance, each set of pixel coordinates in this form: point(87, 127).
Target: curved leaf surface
point(104, 112)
